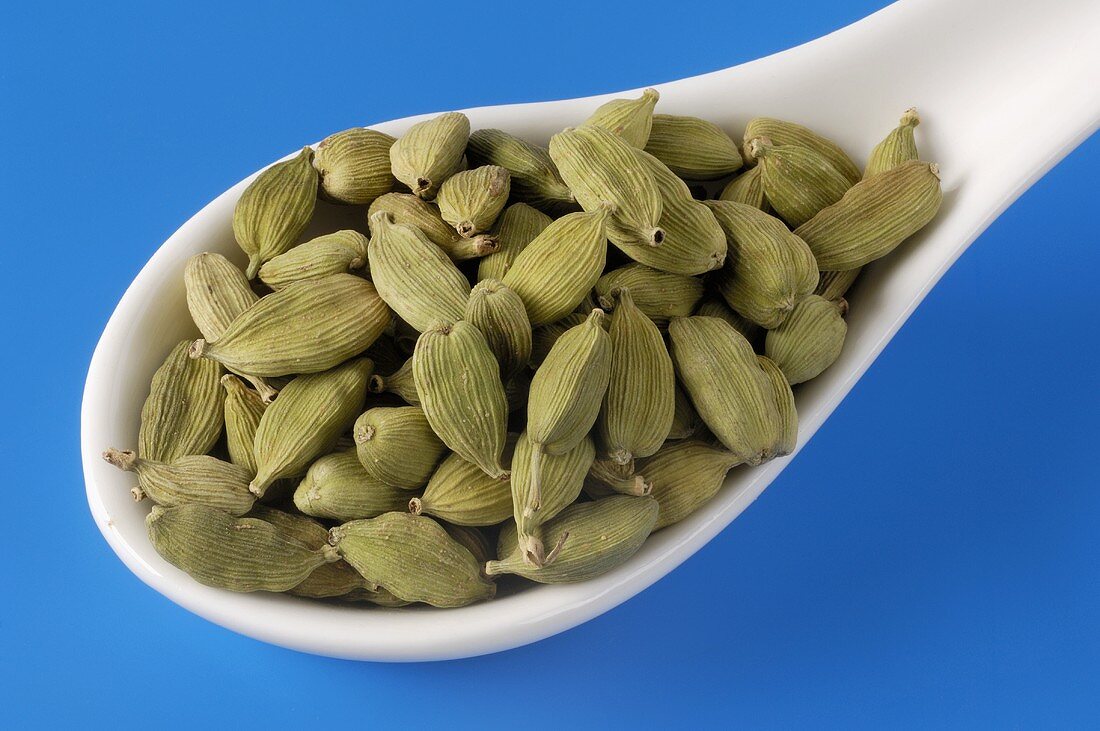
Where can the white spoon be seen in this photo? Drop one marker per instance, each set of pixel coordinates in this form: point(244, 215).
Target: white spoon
point(1006, 89)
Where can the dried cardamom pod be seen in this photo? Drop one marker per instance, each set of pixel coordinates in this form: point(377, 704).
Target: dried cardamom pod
point(458, 381)
point(607, 477)
point(217, 291)
point(414, 558)
point(515, 228)
point(640, 401)
point(590, 539)
point(810, 340)
point(473, 540)
point(543, 338)
point(407, 209)
point(685, 474)
point(715, 307)
point(693, 148)
point(413, 275)
point(789, 133)
point(354, 165)
point(898, 147)
point(499, 314)
point(784, 401)
point(460, 492)
point(305, 421)
point(630, 119)
point(430, 152)
point(400, 383)
point(182, 414)
point(874, 216)
point(719, 371)
point(243, 410)
point(685, 420)
point(238, 554)
point(768, 268)
point(798, 181)
point(660, 295)
point(336, 487)
point(747, 188)
point(471, 200)
point(306, 327)
point(192, 479)
point(275, 209)
point(335, 253)
point(396, 446)
point(601, 169)
point(834, 285)
point(535, 178)
point(555, 271)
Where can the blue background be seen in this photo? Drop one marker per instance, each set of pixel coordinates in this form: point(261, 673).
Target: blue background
point(929, 560)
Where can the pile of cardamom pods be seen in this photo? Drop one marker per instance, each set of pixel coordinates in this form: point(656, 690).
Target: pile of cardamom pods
point(482, 385)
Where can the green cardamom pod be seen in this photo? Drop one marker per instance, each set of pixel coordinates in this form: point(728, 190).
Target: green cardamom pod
point(898, 147)
point(693, 148)
point(473, 540)
point(460, 492)
point(408, 210)
point(336, 487)
point(414, 558)
point(217, 291)
point(306, 327)
point(192, 479)
point(630, 119)
point(685, 420)
point(715, 307)
point(516, 227)
point(305, 421)
point(543, 338)
point(810, 340)
point(243, 410)
point(275, 209)
point(719, 371)
point(789, 133)
point(660, 295)
point(601, 169)
point(381, 597)
point(238, 554)
point(397, 446)
point(400, 383)
point(535, 178)
point(798, 181)
point(430, 152)
point(414, 276)
point(640, 401)
point(555, 271)
point(471, 200)
point(590, 539)
point(182, 414)
point(354, 165)
point(685, 474)
point(458, 380)
point(874, 216)
point(784, 401)
point(748, 189)
point(607, 477)
point(768, 268)
point(834, 285)
point(500, 315)
point(335, 253)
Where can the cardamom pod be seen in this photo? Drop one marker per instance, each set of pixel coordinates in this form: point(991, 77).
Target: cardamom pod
point(898, 147)
point(685, 420)
point(473, 540)
point(607, 477)
point(275, 209)
point(516, 227)
point(784, 401)
point(660, 295)
point(555, 271)
point(306, 327)
point(601, 169)
point(535, 178)
point(243, 410)
point(400, 383)
point(458, 381)
point(396, 446)
point(768, 268)
point(714, 307)
point(630, 119)
point(834, 285)
point(413, 275)
point(543, 338)
point(459, 492)
point(747, 188)
point(192, 479)
point(430, 152)
point(810, 340)
point(305, 421)
point(335, 253)
point(798, 181)
point(336, 487)
point(471, 200)
point(381, 597)
point(590, 539)
point(354, 165)
point(409, 210)
point(640, 401)
point(719, 371)
point(789, 133)
point(414, 558)
point(874, 216)
point(685, 474)
point(182, 415)
point(693, 148)
point(238, 554)
point(217, 292)
point(499, 314)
